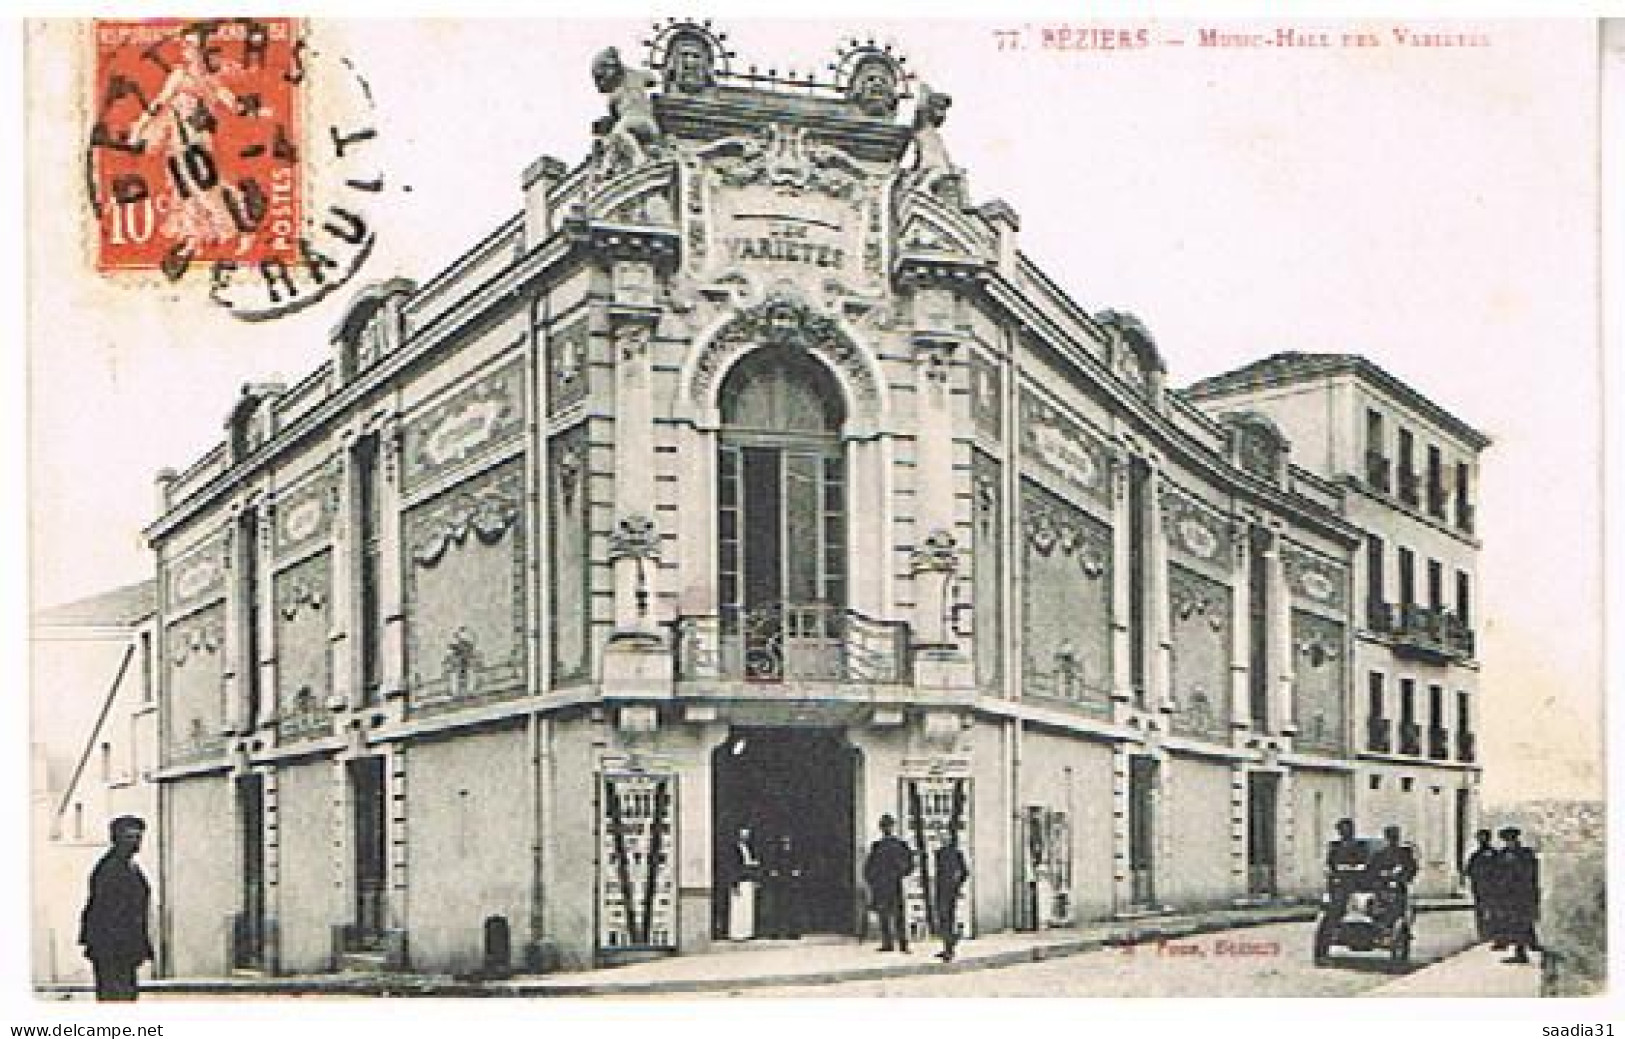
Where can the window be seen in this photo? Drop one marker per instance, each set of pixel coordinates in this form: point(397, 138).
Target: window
point(1138, 503)
point(1375, 690)
point(248, 531)
point(1464, 597)
point(1373, 570)
point(1407, 577)
point(1464, 717)
point(1258, 628)
point(1407, 784)
point(1375, 439)
point(107, 762)
point(368, 508)
point(1436, 498)
point(1376, 782)
point(1407, 701)
point(1464, 504)
point(1435, 707)
point(146, 667)
point(1376, 453)
point(781, 518)
point(1435, 585)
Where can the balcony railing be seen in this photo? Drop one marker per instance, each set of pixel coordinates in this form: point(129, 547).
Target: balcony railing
point(1464, 516)
point(1467, 746)
point(1410, 487)
point(793, 642)
point(1379, 471)
point(1438, 635)
point(1437, 500)
point(1438, 743)
point(1410, 738)
point(1379, 734)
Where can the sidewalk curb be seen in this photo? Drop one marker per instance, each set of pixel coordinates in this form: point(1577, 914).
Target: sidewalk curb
point(408, 985)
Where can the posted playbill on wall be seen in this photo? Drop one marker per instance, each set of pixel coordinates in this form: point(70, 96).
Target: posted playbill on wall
point(529, 507)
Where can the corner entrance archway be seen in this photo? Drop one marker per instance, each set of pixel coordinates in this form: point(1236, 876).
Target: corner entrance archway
point(799, 783)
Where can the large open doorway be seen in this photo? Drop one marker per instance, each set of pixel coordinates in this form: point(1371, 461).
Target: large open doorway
point(795, 783)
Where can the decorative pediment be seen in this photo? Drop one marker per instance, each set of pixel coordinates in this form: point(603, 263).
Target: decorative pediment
point(1257, 442)
point(784, 321)
point(1132, 352)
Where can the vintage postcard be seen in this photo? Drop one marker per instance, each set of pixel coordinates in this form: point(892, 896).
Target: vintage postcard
point(1030, 506)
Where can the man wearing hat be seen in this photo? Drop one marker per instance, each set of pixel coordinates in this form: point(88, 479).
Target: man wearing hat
point(113, 926)
point(1482, 870)
point(888, 863)
point(951, 874)
point(1394, 867)
point(1520, 894)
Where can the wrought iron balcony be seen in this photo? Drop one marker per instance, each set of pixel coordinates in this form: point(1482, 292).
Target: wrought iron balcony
point(1467, 746)
point(1437, 500)
point(1410, 487)
point(793, 642)
point(1410, 738)
point(1379, 471)
point(1379, 734)
point(1437, 636)
point(1438, 743)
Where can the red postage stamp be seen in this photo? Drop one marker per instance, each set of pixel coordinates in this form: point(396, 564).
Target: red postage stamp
point(194, 145)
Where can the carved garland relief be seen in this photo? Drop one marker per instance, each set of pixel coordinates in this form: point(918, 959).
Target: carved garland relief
point(466, 650)
point(784, 322)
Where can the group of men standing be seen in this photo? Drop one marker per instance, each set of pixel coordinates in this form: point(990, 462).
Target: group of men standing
point(1505, 882)
point(764, 898)
point(889, 861)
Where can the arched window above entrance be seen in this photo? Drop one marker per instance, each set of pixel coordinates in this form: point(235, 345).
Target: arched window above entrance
point(781, 390)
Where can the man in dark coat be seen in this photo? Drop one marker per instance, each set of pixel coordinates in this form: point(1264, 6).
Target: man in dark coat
point(951, 873)
point(888, 863)
point(1520, 894)
point(113, 926)
point(1393, 867)
point(1482, 870)
point(1346, 861)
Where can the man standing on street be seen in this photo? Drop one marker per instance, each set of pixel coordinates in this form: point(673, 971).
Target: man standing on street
point(888, 863)
point(1520, 894)
point(113, 926)
point(1394, 867)
point(951, 870)
point(1481, 871)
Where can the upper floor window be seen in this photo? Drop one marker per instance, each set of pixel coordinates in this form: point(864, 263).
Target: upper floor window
point(781, 518)
point(1464, 503)
point(1378, 468)
point(1436, 490)
point(1407, 577)
point(1435, 585)
point(1464, 597)
point(1409, 491)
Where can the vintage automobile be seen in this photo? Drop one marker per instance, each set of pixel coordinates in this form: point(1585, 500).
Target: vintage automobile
point(1364, 910)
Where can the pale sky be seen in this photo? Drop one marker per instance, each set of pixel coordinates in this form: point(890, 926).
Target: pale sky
point(1432, 209)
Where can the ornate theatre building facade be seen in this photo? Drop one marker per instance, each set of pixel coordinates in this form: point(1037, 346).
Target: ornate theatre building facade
point(749, 476)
